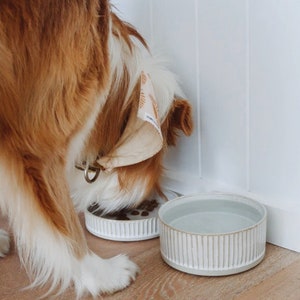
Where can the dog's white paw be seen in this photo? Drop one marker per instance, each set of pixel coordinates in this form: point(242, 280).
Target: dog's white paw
point(4, 243)
point(105, 275)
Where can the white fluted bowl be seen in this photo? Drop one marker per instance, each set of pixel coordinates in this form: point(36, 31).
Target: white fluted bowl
point(212, 234)
point(138, 228)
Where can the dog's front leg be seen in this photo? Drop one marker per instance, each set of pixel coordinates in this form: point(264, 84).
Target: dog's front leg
point(48, 234)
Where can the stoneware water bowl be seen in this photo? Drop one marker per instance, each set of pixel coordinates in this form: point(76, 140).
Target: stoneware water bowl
point(212, 234)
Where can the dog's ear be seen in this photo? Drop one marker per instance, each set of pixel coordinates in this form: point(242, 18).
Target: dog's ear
point(178, 118)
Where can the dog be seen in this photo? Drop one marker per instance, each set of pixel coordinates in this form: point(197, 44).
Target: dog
point(86, 115)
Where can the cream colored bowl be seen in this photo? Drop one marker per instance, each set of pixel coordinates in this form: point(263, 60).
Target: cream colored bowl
point(138, 228)
point(212, 234)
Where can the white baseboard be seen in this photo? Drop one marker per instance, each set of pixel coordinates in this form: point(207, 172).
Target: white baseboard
point(283, 227)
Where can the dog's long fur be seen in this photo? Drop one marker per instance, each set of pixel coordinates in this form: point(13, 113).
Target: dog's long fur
point(69, 76)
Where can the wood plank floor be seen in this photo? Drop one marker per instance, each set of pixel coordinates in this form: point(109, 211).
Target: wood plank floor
point(277, 277)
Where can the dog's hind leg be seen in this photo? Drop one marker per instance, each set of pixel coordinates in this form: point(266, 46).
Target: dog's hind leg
point(4, 243)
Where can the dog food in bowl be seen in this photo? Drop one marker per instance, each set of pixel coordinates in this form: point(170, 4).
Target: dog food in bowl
point(135, 224)
point(212, 234)
point(143, 210)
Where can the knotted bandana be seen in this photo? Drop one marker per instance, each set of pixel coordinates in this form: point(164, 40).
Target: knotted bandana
point(142, 137)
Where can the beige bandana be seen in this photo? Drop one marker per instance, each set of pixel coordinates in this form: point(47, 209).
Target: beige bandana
point(142, 136)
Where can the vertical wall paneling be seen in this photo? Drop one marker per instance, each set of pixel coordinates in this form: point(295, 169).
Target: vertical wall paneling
point(174, 35)
point(247, 101)
point(275, 99)
point(223, 74)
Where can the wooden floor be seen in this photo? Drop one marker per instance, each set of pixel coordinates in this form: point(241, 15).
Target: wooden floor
point(276, 277)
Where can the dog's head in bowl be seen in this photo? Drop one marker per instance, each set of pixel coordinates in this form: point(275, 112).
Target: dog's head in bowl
point(142, 115)
point(84, 109)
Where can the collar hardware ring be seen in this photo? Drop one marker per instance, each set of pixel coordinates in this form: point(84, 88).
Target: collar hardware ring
point(89, 169)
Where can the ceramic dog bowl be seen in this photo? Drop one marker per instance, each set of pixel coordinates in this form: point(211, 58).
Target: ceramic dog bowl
point(212, 234)
point(137, 227)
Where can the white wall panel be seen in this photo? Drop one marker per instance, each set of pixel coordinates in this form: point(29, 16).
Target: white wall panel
point(174, 33)
point(223, 90)
point(275, 98)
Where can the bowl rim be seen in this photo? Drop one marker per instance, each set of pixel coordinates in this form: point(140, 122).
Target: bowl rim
point(87, 212)
point(222, 196)
point(163, 202)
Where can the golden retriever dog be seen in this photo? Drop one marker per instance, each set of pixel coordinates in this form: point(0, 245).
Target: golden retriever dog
point(86, 114)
